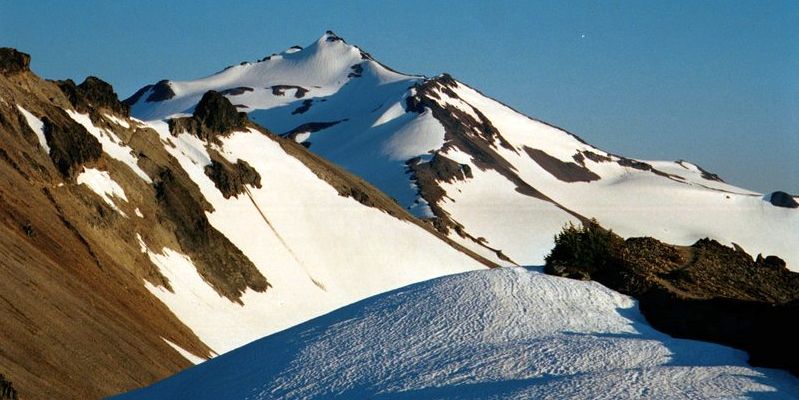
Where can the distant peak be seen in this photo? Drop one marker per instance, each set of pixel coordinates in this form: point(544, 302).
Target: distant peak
point(331, 36)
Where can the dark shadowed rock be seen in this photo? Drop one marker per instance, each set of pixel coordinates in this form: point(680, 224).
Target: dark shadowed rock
point(161, 91)
point(230, 178)
point(134, 98)
point(93, 93)
point(472, 133)
point(13, 61)
point(236, 91)
point(7, 391)
point(71, 145)
point(707, 291)
point(218, 261)
point(782, 199)
point(310, 127)
point(564, 171)
point(280, 90)
point(214, 115)
point(306, 105)
point(357, 71)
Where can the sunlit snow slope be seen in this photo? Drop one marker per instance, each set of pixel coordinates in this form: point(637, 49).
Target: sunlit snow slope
point(503, 333)
point(497, 181)
point(317, 249)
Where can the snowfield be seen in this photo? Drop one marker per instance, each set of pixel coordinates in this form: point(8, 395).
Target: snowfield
point(318, 250)
point(353, 111)
point(503, 333)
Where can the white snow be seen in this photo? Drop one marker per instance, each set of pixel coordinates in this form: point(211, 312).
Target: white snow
point(37, 126)
point(138, 213)
point(111, 144)
point(421, 135)
point(504, 333)
point(317, 249)
point(375, 135)
point(118, 121)
point(102, 184)
point(185, 353)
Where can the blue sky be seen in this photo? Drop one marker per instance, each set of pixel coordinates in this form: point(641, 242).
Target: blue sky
point(716, 83)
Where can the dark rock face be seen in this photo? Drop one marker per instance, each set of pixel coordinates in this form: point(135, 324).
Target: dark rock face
point(280, 90)
point(136, 96)
point(598, 158)
point(161, 91)
point(474, 134)
point(782, 199)
point(214, 115)
point(236, 91)
point(71, 145)
point(306, 105)
point(564, 171)
point(93, 93)
point(7, 391)
point(709, 175)
point(219, 262)
point(310, 127)
point(332, 37)
point(357, 71)
point(230, 178)
point(707, 291)
point(13, 61)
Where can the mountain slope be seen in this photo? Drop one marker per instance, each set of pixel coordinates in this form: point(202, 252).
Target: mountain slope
point(483, 172)
point(503, 333)
point(131, 249)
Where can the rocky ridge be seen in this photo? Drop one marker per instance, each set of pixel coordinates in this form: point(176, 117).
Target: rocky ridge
point(706, 291)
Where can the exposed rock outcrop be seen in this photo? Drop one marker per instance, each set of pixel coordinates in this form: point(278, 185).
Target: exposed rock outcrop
point(214, 115)
point(162, 90)
point(471, 133)
point(782, 199)
point(707, 291)
point(230, 178)
point(236, 91)
point(218, 261)
point(564, 171)
point(280, 90)
point(71, 145)
point(94, 93)
point(13, 61)
point(159, 92)
point(7, 391)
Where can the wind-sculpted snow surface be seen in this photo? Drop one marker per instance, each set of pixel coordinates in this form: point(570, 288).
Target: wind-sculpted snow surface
point(503, 333)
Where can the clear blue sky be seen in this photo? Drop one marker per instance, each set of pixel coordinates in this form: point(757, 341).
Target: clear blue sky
point(716, 83)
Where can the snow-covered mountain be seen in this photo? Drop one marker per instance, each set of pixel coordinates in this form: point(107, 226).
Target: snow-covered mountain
point(503, 333)
point(494, 180)
point(130, 248)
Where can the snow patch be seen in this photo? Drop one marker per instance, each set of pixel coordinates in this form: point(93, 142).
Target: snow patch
point(419, 136)
point(185, 353)
point(111, 144)
point(37, 126)
point(102, 184)
point(118, 121)
point(317, 249)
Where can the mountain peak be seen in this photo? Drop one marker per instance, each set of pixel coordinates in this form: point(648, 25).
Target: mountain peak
point(13, 61)
point(331, 36)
